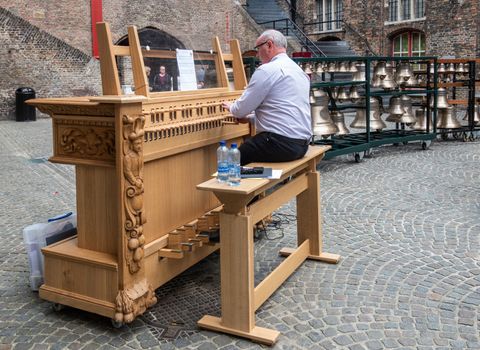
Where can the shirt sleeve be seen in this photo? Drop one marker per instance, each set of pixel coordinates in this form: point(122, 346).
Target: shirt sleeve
point(253, 96)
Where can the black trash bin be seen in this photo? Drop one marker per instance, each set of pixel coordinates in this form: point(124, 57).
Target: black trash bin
point(23, 111)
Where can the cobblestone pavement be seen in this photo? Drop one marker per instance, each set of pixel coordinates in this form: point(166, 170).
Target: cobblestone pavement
point(405, 221)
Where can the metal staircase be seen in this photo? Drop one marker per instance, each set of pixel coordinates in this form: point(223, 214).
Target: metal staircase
point(270, 15)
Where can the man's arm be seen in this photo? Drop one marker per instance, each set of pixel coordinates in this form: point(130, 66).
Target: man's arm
point(253, 96)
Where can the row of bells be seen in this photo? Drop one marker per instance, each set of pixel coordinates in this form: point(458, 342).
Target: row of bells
point(446, 117)
point(400, 110)
point(379, 69)
point(451, 68)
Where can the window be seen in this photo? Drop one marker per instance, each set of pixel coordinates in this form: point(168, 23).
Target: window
point(410, 44)
point(329, 14)
point(405, 10)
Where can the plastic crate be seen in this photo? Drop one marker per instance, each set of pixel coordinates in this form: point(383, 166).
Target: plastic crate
point(39, 235)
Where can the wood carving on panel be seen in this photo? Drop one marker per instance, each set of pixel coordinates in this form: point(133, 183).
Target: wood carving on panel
point(134, 301)
point(90, 142)
point(133, 189)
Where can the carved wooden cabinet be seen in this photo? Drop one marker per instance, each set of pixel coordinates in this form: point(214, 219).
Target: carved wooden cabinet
point(138, 159)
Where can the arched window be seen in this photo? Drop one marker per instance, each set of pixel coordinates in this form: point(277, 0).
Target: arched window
point(410, 43)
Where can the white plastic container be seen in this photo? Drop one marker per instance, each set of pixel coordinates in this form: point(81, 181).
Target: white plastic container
point(37, 236)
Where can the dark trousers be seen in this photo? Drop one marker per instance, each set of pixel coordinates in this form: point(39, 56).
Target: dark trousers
point(270, 147)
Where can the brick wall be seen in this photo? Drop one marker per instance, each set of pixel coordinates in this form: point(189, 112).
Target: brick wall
point(47, 45)
point(451, 27)
point(31, 57)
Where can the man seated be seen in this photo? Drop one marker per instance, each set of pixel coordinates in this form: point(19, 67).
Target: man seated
point(278, 92)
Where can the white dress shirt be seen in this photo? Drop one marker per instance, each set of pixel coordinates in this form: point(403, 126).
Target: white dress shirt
point(278, 92)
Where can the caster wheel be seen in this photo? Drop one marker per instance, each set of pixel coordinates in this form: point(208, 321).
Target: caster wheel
point(426, 144)
point(368, 153)
point(444, 136)
point(465, 138)
point(57, 307)
point(358, 157)
point(117, 324)
point(456, 135)
point(405, 143)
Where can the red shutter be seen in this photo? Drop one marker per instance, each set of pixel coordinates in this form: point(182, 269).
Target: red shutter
point(96, 14)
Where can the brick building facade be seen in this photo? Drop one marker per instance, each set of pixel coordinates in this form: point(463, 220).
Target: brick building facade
point(450, 27)
point(48, 45)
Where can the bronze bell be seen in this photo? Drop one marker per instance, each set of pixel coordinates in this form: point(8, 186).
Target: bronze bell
point(412, 81)
point(322, 124)
point(446, 119)
point(403, 73)
point(476, 115)
point(334, 92)
point(358, 76)
point(344, 67)
point(354, 94)
point(407, 117)
point(376, 123)
point(331, 67)
point(319, 68)
point(450, 69)
point(338, 119)
point(421, 123)
point(441, 68)
point(388, 82)
point(307, 68)
point(442, 101)
point(312, 97)
point(342, 94)
point(353, 67)
point(376, 81)
point(395, 109)
point(380, 70)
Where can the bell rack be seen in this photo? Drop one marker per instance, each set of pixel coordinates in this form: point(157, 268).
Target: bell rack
point(360, 143)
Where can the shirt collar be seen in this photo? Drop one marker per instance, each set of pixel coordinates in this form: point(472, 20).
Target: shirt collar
point(280, 55)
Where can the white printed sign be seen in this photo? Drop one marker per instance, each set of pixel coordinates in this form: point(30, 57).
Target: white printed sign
point(186, 68)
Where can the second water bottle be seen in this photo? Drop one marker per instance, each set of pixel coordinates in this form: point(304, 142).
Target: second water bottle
point(234, 165)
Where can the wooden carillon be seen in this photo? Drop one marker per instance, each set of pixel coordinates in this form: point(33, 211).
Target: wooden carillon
point(138, 159)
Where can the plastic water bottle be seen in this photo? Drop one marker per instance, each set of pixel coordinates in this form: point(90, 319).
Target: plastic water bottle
point(234, 161)
point(222, 162)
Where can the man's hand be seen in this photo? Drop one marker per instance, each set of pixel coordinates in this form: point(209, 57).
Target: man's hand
point(227, 105)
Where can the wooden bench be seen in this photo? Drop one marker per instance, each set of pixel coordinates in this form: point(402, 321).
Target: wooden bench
point(239, 297)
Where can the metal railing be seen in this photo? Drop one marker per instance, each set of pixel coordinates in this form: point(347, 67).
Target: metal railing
point(288, 27)
point(344, 26)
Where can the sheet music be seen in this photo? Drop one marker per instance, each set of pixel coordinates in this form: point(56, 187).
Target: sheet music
point(186, 69)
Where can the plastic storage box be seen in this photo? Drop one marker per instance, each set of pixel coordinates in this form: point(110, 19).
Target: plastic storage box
point(37, 236)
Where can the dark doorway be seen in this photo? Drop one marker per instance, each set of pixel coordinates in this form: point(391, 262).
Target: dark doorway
point(156, 39)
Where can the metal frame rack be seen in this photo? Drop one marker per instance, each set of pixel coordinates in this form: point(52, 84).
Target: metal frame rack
point(360, 144)
point(466, 131)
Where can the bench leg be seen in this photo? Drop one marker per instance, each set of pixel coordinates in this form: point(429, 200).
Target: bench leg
point(237, 283)
point(309, 221)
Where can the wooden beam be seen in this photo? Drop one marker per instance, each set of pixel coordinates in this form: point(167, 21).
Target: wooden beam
point(239, 77)
point(108, 65)
point(138, 67)
point(271, 283)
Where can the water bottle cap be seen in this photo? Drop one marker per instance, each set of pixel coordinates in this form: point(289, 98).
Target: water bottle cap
point(222, 143)
point(234, 145)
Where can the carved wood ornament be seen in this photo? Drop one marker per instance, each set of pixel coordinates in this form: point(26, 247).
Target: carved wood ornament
point(133, 189)
point(134, 301)
point(89, 142)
